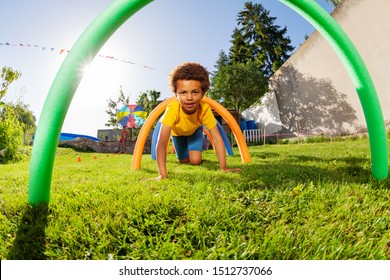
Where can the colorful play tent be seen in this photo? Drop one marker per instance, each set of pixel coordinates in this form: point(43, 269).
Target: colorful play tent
point(131, 116)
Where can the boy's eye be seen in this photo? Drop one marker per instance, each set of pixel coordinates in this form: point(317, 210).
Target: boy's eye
point(193, 93)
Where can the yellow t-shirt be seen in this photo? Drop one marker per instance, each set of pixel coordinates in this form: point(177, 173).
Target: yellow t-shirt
point(183, 124)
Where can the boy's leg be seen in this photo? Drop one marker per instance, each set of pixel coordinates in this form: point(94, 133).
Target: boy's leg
point(181, 148)
point(195, 157)
point(195, 146)
point(189, 148)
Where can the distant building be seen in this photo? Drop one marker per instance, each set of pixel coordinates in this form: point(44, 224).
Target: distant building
point(108, 134)
point(224, 124)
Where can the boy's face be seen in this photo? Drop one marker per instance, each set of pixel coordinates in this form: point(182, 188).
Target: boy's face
point(189, 93)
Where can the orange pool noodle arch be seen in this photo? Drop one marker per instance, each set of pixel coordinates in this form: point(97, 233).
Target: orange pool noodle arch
point(140, 144)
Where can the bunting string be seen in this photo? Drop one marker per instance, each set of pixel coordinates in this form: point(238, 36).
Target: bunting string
point(62, 51)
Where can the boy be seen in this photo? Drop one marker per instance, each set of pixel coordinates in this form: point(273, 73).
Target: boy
point(184, 119)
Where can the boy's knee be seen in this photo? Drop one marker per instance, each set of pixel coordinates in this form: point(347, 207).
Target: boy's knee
point(195, 157)
point(196, 161)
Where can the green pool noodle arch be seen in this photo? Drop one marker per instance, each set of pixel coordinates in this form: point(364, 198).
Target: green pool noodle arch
point(119, 11)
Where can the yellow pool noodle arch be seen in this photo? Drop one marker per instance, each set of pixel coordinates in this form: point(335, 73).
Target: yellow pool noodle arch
point(141, 140)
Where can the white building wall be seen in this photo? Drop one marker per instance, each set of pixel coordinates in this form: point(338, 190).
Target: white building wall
point(313, 90)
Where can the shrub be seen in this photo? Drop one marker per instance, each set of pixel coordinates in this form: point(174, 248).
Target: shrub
point(11, 137)
point(317, 139)
point(283, 141)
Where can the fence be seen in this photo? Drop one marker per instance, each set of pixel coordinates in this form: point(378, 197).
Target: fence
point(253, 135)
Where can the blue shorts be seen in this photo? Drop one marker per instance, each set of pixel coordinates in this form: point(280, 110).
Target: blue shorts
point(183, 144)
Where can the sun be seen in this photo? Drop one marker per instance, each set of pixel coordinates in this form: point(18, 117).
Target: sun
point(96, 71)
point(100, 80)
point(102, 75)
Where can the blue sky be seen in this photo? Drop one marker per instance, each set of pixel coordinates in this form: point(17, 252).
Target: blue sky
point(160, 36)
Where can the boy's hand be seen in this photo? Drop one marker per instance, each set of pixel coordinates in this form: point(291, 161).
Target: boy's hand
point(159, 178)
point(231, 169)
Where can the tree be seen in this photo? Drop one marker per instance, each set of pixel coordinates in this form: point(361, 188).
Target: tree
point(334, 2)
point(11, 136)
point(259, 48)
point(223, 59)
point(114, 106)
point(259, 39)
point(149, 100)
point(239, 85)
point(24, 116)
point(8, 75)
point(11, 133)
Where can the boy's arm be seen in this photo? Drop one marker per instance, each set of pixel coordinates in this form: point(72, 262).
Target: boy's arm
point(219, 147)
point(161, 150)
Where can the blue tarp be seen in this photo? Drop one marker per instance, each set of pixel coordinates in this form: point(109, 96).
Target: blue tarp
point(71, 136)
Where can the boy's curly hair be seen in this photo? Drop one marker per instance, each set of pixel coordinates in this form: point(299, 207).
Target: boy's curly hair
point(189, 71)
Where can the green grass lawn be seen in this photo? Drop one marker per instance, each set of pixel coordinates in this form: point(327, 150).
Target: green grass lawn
point(306, 201)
